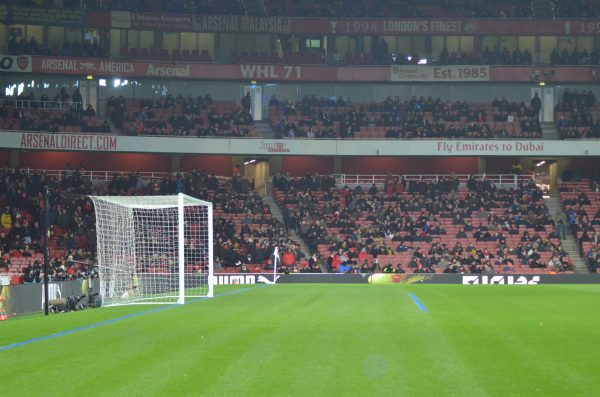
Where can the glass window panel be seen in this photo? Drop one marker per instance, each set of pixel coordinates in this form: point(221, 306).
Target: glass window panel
point(3, 33)
point(36, 31)
point(391, 42)
point(189, 41)
point(404, 44)
point(226, 45)
point(585, 43)
point(508, 42)
point(566, 42)
point(146, 39)
point(132, 38)
point(466, 44)
point(262, 43)
point(206, 41)
point(245, 42)
point(56, 35)
point(437, 46)
point(490, 42)
point(115, 41)
point(170, 41)
point(452, 44)
point(527, 42)
point(71, 34)
point(419, 45)
point(366, 45)
point(547, 44)
point(354, 46)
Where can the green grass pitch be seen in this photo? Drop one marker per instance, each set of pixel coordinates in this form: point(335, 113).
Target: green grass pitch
point(319, 340)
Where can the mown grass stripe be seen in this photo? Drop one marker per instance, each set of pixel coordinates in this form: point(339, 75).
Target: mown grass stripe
point(116, 319)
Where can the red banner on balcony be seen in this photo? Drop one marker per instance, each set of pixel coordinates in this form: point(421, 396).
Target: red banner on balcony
point(247, 72)
point(435, 27)
point(389, 27)
point(275, 72)
point(199, 22)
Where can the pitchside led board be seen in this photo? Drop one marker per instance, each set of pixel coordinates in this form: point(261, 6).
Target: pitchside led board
point(407, 278)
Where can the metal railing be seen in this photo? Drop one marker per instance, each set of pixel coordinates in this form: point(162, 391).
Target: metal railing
point(37, 104)
point(96, 175)
point(500, 180)
point(103, 176)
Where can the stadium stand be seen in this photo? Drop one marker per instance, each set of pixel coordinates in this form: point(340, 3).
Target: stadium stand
point(86, 48)
point(62, 113)
point(144, 63)
point(395, 118)
point(581, 200)
point(576, 115)
point(575, 9)
point(400, 9)
point(180, 116)
point(424, 226)
point(245, 233)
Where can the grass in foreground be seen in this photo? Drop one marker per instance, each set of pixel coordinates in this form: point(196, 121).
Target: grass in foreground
point(320, 340)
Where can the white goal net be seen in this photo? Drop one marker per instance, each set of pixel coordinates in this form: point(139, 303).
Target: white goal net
point(153, 249)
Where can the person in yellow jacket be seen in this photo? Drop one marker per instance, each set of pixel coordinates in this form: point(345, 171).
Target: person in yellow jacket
point(6, 220)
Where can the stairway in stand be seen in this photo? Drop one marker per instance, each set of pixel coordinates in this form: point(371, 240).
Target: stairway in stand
point(549, 131)
point(264, 130)
point(113, 128)
point(568, 243)
point(277, 214)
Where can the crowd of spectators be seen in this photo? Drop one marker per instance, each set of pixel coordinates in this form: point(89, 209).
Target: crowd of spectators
point(245, 233)
point(62, 113)
point(358, 226)
point(575, 9)
point(582, 207)
point(575, 57)
point(401, 9)
point(312, 8)
point(380, 55)
point(413, 118)
point(84, 48)
point(291, 50)
point(223, 7)
point(71, 220)
point(179, 116)
point(576, 116)
point(487, 57)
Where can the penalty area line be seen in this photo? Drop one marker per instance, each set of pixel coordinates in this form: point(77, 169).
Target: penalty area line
point(420, 305)
point(117, 319)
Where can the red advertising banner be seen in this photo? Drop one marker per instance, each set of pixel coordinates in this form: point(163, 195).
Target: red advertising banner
point(199, 22)
point(434, 27)
point(267, 72)
point(258, 72)
point(391, 27)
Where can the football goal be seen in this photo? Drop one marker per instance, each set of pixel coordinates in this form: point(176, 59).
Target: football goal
point(153, 249)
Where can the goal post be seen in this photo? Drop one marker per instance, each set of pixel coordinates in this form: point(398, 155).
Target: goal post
point(153, 249)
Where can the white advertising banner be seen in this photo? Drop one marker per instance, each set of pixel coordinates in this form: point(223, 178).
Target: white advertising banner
point(283, 147)
point(298, 147)
point(420, 73)
point(120, 19)
point(15, 63)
